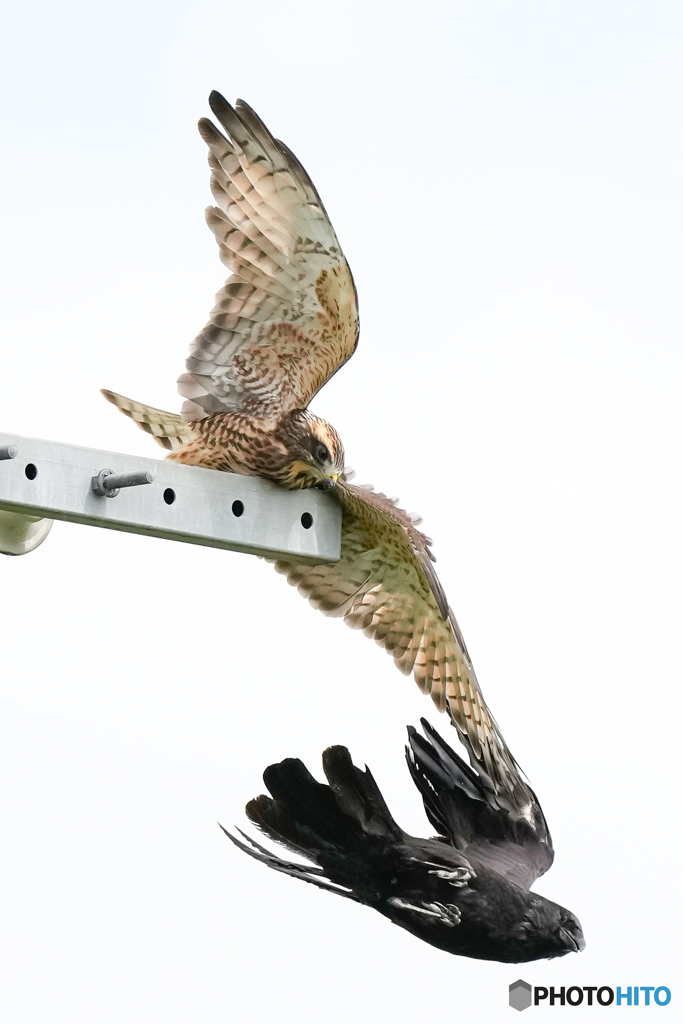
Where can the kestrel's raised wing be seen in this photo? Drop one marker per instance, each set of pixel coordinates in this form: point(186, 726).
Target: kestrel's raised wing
point(287, 317)
point(384, 583)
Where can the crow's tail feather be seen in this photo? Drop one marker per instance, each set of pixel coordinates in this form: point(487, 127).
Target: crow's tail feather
point(304, 872)
point(311, 818)
point(358, 795)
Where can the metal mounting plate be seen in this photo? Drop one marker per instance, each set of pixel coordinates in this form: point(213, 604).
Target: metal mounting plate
point(221, 510)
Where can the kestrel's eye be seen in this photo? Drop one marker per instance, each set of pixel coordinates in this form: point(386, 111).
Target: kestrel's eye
point(322, 453)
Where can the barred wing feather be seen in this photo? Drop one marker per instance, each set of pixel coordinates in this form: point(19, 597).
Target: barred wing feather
point(167, 428)
point(287, 317)
point(384, 583)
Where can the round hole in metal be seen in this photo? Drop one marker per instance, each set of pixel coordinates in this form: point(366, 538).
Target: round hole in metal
point(169, 495)
point(31, 471)
point(307, 520)
point(237, 508)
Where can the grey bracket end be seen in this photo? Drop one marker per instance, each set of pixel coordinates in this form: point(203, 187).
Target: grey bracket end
point(20, 534)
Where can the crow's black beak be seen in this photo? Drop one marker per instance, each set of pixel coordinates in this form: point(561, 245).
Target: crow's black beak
point(575, 941)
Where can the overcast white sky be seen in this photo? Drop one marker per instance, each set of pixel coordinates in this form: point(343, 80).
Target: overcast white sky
point(505, 181)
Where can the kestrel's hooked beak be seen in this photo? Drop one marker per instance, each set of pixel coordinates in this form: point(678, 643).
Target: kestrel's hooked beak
point(329, 482)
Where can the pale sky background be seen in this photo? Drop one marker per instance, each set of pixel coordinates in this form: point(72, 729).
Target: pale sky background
point(505, 179)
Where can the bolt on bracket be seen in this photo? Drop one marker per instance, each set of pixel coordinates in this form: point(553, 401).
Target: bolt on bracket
point(107, 483)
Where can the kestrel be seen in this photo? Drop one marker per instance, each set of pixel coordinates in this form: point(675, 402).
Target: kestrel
point(284, 322)
point(466, 891)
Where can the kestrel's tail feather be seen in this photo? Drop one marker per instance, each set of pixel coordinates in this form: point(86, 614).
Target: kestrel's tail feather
point(168, 429)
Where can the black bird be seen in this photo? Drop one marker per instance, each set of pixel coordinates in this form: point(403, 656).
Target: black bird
point(465, 891)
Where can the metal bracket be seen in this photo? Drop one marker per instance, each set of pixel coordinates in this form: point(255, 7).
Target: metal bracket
point(43, 480)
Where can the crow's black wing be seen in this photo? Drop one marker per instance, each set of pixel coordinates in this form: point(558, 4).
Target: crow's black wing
point(513, 843)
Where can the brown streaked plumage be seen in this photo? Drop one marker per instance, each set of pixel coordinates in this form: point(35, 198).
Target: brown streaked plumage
point(284, 322)
point(385, 584)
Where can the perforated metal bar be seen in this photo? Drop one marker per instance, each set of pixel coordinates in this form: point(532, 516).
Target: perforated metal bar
point(182, 503)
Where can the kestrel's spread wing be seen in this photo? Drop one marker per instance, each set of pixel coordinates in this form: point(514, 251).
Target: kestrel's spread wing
point(384, 583)
point(283, 323)
point(287, 317)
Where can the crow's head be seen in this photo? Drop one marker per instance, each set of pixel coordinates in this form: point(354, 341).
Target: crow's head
point(547, 931)
point(485, 917)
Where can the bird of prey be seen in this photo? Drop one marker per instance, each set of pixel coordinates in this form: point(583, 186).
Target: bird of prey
point(284, 322)
point(465, 891)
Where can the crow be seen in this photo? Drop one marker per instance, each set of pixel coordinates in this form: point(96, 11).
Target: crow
point(465, 891)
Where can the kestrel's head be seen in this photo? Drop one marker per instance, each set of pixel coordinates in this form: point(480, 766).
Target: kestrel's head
point(315, 450)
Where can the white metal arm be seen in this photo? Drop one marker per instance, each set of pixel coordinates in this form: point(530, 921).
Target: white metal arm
point(43, 480)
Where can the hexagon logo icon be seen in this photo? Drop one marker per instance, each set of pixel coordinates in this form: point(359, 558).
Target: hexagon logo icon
point(520, 995)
